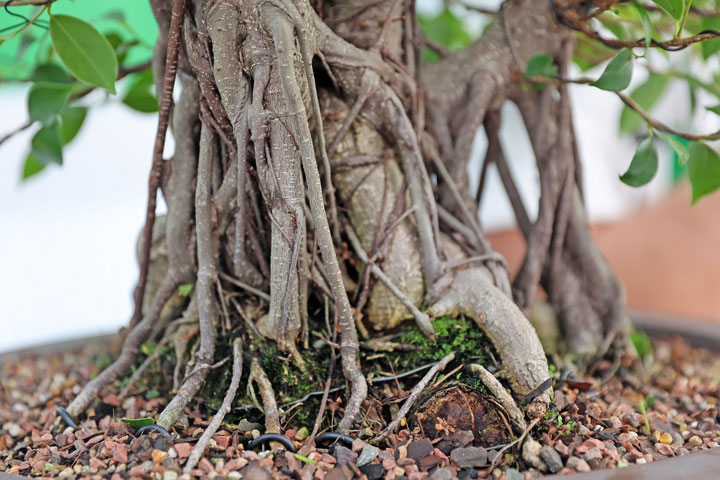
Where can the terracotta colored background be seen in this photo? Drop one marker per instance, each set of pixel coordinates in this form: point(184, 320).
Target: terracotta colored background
point(667, 255)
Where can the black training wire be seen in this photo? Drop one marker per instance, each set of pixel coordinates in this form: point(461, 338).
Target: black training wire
point(37, 23)
point(663, 45)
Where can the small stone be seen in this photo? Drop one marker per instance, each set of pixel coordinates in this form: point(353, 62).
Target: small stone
point(666, 438)
point(641, 461)
point(14, 429)
point(561, 448)
point(512, 474)
point(664, 449)
point(593, 454)
point(469, 457)
point(256, 472)
point(170, 475)
point(420, 449)
point(158, 456)
point(656, 436)
point(183, 449)
point(531, 454)
point(344, 455)
point(441, 474)
point(367, 455)
point(552, 458)
point(335, 474)
point(172, 452)
point(66, 473)
point(583, 430)
point(430, 462)
point(373, 471)
point(302, 434)
point(578, 464)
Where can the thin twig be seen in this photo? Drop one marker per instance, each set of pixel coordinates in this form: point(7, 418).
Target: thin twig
point(19, 129)
point(415, 393)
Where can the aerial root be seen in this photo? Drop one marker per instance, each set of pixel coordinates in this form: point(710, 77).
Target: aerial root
point(207, 248)
point(422, 320)
point(272, 416)
point(204, 440)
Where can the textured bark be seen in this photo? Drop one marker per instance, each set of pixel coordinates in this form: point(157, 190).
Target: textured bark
point(270, 81)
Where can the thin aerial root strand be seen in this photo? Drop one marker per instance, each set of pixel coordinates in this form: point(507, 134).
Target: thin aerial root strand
point(272, 416)
point(200, 446)
point(171, 59)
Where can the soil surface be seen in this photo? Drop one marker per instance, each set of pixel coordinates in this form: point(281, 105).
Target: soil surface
point(663, 407)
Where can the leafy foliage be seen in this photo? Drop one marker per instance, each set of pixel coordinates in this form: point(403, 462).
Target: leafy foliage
point(644, 165)
point(618, 73)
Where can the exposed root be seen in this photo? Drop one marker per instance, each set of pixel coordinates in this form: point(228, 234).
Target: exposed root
point(417, 390)
point(217, 419)
point(496, 388)
point(171, 60)
point(272, 417)
point(207, 277)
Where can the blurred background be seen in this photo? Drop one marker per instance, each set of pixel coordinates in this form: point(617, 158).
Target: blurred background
point(67, 235)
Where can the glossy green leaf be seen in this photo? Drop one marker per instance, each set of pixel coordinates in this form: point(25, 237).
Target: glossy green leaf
point(710, 47)
point(31, 167)
point(646, 23)
point(617, 74)
point(703, 170)
point(138, 422)
point(47, 145)
point(45, 100)
point(673, 7)
point(140, 96)
point(678, 147)
point(71, 120)
point(84, 51)
point(644, 165)
point(50, 73)
point(541, 65)
point(646, 95)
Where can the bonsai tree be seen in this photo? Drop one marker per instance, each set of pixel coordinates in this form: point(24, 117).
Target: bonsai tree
point(319, 172)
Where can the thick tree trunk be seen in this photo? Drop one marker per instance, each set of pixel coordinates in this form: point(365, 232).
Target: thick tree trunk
point(251, 127)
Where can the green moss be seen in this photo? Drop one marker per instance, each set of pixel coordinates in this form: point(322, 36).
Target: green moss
point(457, 335)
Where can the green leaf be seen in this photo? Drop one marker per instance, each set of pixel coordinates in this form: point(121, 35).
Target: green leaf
point(45, 100)
point(47, 145)
point(31, 167)
point(541, 65)
point(138, 422)
point(617, 74)
point(642, 344)
point(703, 170)
point(140, 96)
point(644, 165)
point(646, 23)
point(150, 394)
point(71, 119)
point(446, 29)
point(715, 109)
point(673, 7)
point(185, 289)
point(84, 51)
point(680, 148)
point(710, 47)
point(50, 73)
point(646, 95)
